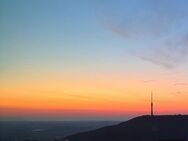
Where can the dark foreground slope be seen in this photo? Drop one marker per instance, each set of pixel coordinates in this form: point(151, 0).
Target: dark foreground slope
point(144, 128)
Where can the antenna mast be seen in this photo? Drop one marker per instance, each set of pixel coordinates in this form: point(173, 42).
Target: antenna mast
point(152, 104)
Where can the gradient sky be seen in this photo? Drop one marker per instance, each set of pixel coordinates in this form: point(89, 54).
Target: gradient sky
point(92, 59)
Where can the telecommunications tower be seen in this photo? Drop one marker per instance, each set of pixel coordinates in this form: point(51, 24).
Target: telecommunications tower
point(152, 104)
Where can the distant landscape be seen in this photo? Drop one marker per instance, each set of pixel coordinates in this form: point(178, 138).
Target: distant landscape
point(142, 128)
point(46, 130)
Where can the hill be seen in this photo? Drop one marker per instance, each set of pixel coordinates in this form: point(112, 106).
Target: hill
point(143, 128)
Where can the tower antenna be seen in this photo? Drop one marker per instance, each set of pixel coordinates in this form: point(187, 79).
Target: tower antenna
point(152, 104)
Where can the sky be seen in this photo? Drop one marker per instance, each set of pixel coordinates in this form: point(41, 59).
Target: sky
point(92, 59)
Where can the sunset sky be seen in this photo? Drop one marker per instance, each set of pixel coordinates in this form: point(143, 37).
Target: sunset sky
point(92, 59)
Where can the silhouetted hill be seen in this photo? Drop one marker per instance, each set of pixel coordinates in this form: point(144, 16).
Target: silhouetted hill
point(143, 128)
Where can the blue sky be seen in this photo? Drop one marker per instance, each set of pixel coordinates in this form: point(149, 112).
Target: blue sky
point(77, 28)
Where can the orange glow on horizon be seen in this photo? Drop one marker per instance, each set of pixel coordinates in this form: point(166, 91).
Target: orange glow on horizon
point(108, 96)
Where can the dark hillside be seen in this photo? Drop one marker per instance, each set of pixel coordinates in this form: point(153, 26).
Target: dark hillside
point(144, 128)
